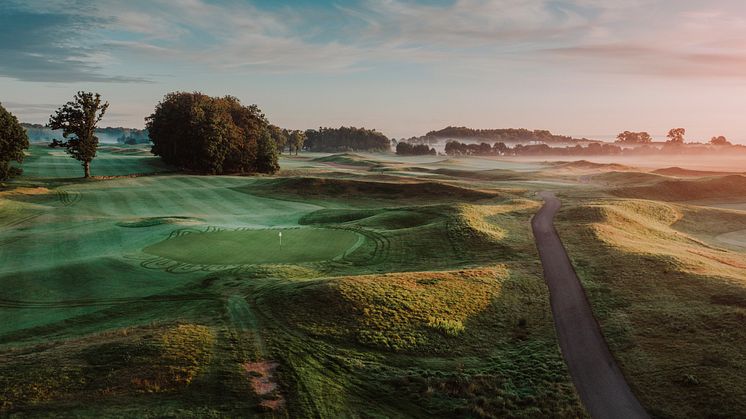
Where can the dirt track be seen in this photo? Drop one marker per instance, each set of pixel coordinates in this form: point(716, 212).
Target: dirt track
point(601, 385)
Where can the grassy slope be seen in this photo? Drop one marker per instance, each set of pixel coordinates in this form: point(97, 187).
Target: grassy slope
point(671, 303)
point(86, 315)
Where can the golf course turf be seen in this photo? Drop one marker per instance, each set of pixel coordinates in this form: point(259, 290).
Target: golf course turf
point(250, 247)
point(404, 287)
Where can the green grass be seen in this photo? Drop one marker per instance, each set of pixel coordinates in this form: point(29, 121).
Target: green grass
point(249, 247)
point(723, 187)
point(168, 295)
point(54, 163)
point(670, 300)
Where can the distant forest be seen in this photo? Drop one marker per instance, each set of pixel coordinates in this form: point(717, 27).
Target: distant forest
point(39, 132)
point(506, 135)
point(345, 139)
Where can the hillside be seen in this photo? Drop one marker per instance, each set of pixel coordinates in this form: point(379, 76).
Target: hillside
point(723, 187)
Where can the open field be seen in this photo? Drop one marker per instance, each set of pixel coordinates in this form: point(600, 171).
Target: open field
point(169, 294)
point(413, 280)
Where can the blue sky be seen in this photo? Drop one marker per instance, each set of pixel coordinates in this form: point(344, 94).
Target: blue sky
point(579, 67)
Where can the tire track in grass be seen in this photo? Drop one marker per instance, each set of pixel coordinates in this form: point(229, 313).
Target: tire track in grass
point(83, 302)
point(261, 372)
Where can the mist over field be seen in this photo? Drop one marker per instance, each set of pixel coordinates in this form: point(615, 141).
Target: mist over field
point(372, 209)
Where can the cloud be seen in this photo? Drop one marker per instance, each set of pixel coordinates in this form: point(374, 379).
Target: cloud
point(70, 41)
point(51, 46)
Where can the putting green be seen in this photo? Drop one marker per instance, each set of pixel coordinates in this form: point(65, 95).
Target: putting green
point(248, 247)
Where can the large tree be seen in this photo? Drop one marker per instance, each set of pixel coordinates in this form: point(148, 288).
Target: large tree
point(720, 140)
point(13, 140)
point(78, 119)
point(297, 138)
point(676, 136)
point(212, 135)
point(266, 155)
point(346, 139)
point(630, 137)
point(279, 136)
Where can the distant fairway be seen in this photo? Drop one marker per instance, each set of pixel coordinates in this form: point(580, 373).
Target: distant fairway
point(735, 238)
point(244, 247)
point(46, 163)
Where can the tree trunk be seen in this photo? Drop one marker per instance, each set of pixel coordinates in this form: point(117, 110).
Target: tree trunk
point(87, 167)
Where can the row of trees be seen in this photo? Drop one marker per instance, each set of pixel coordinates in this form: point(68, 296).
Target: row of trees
point(293, 140)
point(511, 135)
point(456, 148)
point(406, 149)
point(346, 139)
point(675, 136)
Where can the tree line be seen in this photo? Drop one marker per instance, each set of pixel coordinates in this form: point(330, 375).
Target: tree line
point(675, 137)
point(346, 139)
point(407, 149)
point(508, 135)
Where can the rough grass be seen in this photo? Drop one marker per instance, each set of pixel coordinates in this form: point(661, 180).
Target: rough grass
point(628, 178)
point(401, 312)
point(724, 187)
point(348, 159)
point(670, 304)
point(128, 362)
point(475, 342)
point(136, 335)
point(352, 189)
point(681, 172)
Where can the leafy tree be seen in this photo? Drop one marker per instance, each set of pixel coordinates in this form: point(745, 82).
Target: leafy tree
point(266, 154)
point(297, 138)
point(279, 136)
point(720, 140)
point(407, 149)
point(346, 139)
point(629, 137)
point(13, 140)
point(676, 136)
point(79, 118)
point(209, 134)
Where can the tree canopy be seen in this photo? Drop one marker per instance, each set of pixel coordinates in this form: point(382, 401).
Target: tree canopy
point(78, 118)
point(212, 135)
point(13, 140)
point(720, 140)
point(503, 134)
point(406, 149)
point(346, 139)
point(630, 137)
point(676, 136)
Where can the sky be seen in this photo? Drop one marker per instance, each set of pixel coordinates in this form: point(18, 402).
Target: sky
point(577, 67)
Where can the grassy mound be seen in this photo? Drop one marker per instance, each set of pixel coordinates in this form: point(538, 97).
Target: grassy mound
point(435, 312)
point(338, 188)
point(628, 178)
point(585, 165)
point(347, 159)
point(124, 363)
point(154, 221)
point(670, 305)
point(383, 219)
point(493, 174)
point(681, 172)
point(255, 246)
point(724, 187)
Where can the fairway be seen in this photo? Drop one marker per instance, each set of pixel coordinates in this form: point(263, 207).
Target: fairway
point(734, 238)
point(250, 247)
